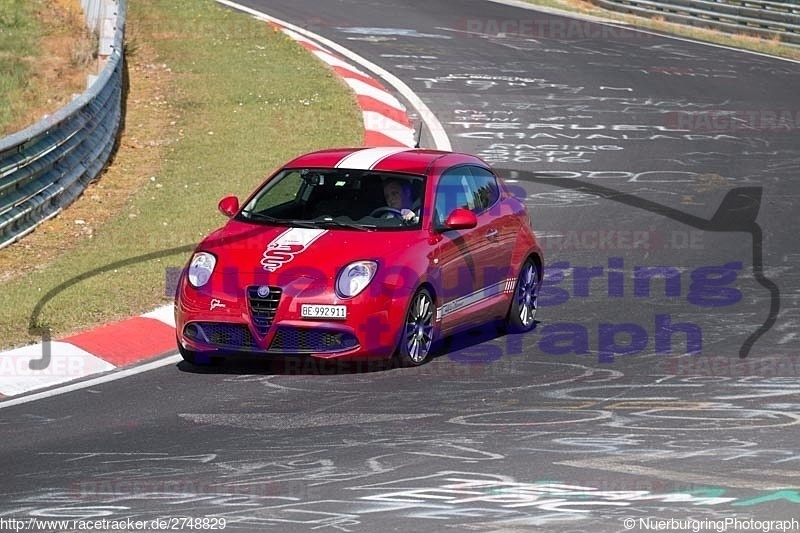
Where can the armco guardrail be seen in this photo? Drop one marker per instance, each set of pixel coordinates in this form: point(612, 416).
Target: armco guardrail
point(43, 168)
point(762, 18)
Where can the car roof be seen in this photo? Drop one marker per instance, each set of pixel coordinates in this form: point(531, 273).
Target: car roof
point(382, 158)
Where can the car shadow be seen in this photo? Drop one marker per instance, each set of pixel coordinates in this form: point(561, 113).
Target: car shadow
point(475, 345)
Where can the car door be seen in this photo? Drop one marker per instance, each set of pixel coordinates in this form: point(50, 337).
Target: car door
point(455, 253)
point(498, 229)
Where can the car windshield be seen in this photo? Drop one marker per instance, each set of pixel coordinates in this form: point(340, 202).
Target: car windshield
point(362, 200)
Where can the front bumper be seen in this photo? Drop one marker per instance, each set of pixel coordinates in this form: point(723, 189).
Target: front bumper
point(272, 325)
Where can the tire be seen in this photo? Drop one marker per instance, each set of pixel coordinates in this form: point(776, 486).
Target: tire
point(416, 338)
point(522, 312)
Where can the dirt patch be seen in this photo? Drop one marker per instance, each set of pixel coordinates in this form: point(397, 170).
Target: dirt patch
point(66, 56)
point(150, 125)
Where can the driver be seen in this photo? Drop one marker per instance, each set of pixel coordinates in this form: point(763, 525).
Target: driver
point(398, 196)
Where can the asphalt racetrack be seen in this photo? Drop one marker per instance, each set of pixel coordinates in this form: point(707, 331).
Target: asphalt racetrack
point(661, 382)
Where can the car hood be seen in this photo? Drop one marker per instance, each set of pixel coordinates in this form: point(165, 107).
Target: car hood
point(272, 253)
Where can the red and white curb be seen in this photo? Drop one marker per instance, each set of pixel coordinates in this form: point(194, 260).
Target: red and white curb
point(124, 347)
point(100, 350)
point(385, 120)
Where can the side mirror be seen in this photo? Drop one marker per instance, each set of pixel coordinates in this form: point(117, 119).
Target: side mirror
point(460, 218)
point(229, 206)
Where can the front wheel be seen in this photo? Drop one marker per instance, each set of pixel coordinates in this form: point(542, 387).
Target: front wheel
point(416, 339)
point(522, 313)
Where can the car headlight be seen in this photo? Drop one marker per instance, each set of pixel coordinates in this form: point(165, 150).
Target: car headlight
point(355, 277)
point(200, 268)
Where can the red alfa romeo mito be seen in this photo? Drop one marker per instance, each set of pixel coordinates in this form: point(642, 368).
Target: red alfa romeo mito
point(361, 252)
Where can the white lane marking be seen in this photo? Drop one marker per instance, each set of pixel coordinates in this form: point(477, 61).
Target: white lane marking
point(435, 128)
point(123, 373)
point(67, 363)
point(369, 157)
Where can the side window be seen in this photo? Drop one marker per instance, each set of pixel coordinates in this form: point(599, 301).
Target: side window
point(453, 190)
point(487, 190)
point(466, 186)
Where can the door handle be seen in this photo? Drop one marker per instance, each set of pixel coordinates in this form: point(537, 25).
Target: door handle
point(491, 234)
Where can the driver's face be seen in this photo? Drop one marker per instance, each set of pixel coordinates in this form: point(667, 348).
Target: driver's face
point(393, 194)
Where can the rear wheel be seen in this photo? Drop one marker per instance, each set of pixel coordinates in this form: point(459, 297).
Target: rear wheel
point(416, 339)
point(522, 313)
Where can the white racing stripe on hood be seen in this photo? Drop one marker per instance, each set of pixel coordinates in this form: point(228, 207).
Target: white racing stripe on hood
point(287, 245)
point(369, 157)
point(299, 236)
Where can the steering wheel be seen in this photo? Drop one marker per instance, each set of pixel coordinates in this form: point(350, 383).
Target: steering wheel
point(387, 210)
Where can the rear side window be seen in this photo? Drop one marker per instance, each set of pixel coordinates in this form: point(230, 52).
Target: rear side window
point(487, 190)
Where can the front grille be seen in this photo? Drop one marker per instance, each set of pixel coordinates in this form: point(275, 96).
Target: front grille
point(221, 334)
point(311, 340)
point(263, 308)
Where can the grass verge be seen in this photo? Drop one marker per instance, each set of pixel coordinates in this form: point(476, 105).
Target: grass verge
point(19, 32)
point(217, 101)
point(747, 42)
point(45, 54)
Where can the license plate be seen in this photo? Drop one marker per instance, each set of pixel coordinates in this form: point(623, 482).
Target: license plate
point(323, 311)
